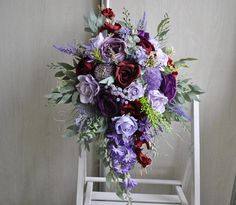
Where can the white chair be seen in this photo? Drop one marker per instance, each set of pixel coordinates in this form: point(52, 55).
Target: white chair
point(86, 195)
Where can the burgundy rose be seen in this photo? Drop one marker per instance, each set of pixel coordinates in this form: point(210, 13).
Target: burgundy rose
point(142, 158)
point(85, 67)
point(110, 27)
point(108, 12)
point(134, 109)
point(107, 104)
point(147, 46)
point(126, 73)
point(168, 86)
point(139, 143)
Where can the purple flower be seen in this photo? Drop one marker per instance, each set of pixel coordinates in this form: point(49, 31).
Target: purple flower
point(70, 49)
point(124, 32)
point(143, 35)
point(162, 58)
point(140, 55)
point(134, 91)
point(129, 183)
point(179, 111)
point(153, 78)
point(168, 86)
point(125, 125)
point(155, 43)
point(113, 48)
point(88, 88)
point(142, 23)
point(93, 44)
point(107, 104)
point(157, 100)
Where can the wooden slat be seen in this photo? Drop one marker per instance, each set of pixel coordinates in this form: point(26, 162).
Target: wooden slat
point(145, 198)
point(124, 203)
point(181, 195)
point(88, 193)
point(141, 181)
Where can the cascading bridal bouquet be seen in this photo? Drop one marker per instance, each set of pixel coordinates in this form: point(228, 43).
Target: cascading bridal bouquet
point(125, 90)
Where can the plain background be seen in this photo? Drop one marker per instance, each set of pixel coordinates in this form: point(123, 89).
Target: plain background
point(37, 166)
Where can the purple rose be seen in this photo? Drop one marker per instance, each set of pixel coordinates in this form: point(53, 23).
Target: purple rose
point(168, 86)
point(113, 48)
point(88, 88)
point(125, 125)
point(134, 91)
point(157, 100)
point(107, 104)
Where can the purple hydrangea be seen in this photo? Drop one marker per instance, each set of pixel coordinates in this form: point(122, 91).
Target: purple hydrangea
point(140, 55)
point(153, 78)
point(124, 33)
point(129, 184)
point(88, 88)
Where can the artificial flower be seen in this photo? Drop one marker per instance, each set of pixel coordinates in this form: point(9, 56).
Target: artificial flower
point(168, 86)
point(157, 100)
point(108, 13)
point(84, 67)
point(110, 27)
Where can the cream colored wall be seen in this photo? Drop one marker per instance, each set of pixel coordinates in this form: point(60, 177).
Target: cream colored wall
point(205, 29)
point(37, 166)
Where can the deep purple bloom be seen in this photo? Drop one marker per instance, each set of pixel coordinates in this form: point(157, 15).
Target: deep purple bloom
point(168, 86)
point(143, 35)
point(153, 78)
point(88, 88)
point(125, 125)
point(107, 104)
point(113, 48)
point(129, 184)
point(70, 49)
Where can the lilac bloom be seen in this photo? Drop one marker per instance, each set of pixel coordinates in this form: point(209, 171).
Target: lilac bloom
point(129, 183)
point(88, 88)
point(124, 32)
point(179, 111)
point(162, 58)
point(142, 23)
point(140, 55)
point(153, 78)
point(70, 49)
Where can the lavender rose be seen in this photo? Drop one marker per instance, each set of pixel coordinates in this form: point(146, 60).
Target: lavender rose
point(157, 100)
point(134, 91)
point(125, 125)
point(162, 58)
point(113, 48)
point(88, 88)
point(168, 86)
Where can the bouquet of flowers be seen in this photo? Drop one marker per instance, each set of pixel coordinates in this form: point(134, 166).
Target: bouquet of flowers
point(125, 90)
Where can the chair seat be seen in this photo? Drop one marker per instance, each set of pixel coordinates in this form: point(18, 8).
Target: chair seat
point(124, 203)
point(105, 198)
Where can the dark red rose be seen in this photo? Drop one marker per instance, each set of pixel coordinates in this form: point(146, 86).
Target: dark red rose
point(147, 46)
point(175, 73)
point(134, 109)
point(139, 143)
point(110, 27)
point(142, 158)
point(85, 67)
point(126, 73)
point(108, 12)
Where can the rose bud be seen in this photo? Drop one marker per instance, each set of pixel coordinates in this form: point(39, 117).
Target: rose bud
point(147, 46)
point(108, 13)
point(110, 27)
point(85, 67)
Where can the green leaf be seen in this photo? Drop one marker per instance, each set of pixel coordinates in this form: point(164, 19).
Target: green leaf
point(69, 133)
point(108, 81)
point(182, 62)
point(75, 98)
point(54, 96)
point(65, 99)
point(70, 74)
point(66, 66)
point(67, 89)
point(59, 74)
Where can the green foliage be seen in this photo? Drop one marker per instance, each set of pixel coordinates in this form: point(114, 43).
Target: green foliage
point(97, 55)
point(163, 28)
point(182, 62)
point(155, 118)
point(107, 81)
point(126, 18)
point(187, 91)
point(93, 23)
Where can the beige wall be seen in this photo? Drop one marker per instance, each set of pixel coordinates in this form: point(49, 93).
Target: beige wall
point(37, 166)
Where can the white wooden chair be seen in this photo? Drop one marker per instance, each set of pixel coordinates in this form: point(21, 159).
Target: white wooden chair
point(86, 195)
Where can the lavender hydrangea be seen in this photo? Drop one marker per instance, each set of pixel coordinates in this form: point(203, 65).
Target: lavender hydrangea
point(153, 78)
point(124, 33)
point(140, 55)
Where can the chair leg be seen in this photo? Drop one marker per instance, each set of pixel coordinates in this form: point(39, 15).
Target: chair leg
point(181, 195)
point(88, 193)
